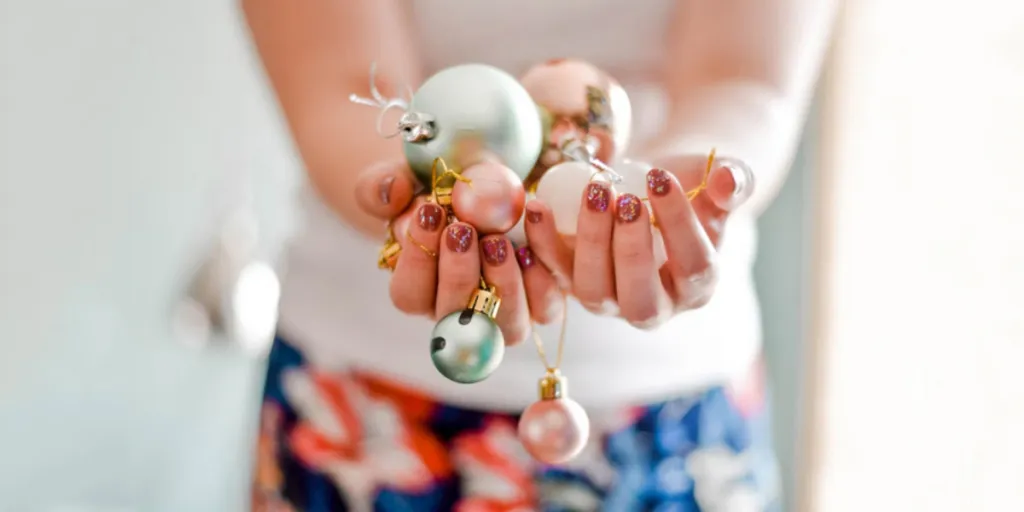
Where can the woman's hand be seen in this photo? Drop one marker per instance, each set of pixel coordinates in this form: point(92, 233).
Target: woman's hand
point(440, 264)
point(613, 267)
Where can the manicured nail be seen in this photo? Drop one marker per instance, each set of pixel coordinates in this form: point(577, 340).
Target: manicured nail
point(598, 197)
point(495, 251)
point(429, 217)
point(743, 180)
point(525, 257)
point(628, 208)
point(534, 216)
point(460, 238)
point(659, 182)
point(384, 189)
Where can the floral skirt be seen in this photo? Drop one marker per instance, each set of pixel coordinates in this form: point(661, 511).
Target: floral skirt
point(346, 441)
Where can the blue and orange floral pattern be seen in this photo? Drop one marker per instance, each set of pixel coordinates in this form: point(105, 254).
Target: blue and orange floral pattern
point(349, 442)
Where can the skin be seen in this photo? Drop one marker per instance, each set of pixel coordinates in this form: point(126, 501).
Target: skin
point(738, 74)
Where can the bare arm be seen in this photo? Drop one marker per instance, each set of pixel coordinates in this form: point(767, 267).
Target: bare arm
point(316, 53)
point(740, 74)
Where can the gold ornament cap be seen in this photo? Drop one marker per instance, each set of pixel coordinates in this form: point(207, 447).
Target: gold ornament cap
point(486, 301)
point(388, 258)
point(443, 196)
point(553, 386)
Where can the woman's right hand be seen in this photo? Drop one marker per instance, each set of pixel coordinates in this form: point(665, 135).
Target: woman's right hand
point(440, 264)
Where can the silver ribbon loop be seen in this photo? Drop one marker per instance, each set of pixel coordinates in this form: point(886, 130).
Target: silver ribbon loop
point(413, 126)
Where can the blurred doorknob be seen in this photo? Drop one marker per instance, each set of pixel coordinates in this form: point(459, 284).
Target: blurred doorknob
point(232, 299)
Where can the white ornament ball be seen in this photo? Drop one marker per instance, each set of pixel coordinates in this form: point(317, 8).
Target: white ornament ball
point(634, 177)
point(561, 188)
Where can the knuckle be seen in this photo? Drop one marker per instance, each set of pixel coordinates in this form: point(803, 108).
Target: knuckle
point(592, 237)
point(457, 283)
point(633, 254)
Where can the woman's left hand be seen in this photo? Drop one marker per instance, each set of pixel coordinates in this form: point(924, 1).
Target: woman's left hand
point(612, 269)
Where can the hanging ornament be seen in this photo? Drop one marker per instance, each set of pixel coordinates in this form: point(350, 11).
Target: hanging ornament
point(464, 114)
point(490, 197)
point(581, 101)
point(555, 429)
point(467, 346)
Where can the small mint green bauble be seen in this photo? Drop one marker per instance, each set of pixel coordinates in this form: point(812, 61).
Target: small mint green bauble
point(467, 346)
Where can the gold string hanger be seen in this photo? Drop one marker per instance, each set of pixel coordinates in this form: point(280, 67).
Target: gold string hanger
point(703, 185)
point(704, 179)
point(443, 195)
point(552, 369)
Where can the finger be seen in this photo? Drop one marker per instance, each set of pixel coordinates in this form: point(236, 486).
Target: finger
point(414, 283)
point(689, 273)
point(638, 289)
point(593, 275)
point(501, 271)
point(730, 184)
point(542, 291)
point(547, 244)
point(386, 189)
point(458, 269)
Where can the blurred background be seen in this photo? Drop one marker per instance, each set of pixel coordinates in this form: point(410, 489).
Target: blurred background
point(135, 135)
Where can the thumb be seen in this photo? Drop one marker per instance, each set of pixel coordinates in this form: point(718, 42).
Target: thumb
point(384, 190)
point(730, 184)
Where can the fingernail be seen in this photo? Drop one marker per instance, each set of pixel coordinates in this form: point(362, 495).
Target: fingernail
point(525, 257)
point(534, 216)
point(429, 217)
point(460, 238)
point(495, 251)
point(598, 197)
point(628, 208)
point(659, 182)
point(384, 189)
point(743, 178)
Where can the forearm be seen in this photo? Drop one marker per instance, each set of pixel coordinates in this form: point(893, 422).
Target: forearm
point(740, 75)
point(318, 52)
point(743, 120)
point(336, 145)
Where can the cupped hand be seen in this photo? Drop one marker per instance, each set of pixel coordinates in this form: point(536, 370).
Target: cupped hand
point(441, 263)
point(612, 264)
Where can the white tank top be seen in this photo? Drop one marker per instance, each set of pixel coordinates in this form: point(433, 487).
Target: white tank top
point(335, 304)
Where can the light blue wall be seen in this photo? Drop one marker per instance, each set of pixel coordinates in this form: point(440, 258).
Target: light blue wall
point(782, 283)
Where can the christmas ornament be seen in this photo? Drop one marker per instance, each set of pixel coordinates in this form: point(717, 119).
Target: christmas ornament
point(467, 346)
point(464, 114)
point(554, 429)
point(561, 189)
point(490, 197)
point(580, 101)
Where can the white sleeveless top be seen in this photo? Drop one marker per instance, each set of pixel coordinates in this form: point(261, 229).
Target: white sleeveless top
point(335, 304)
